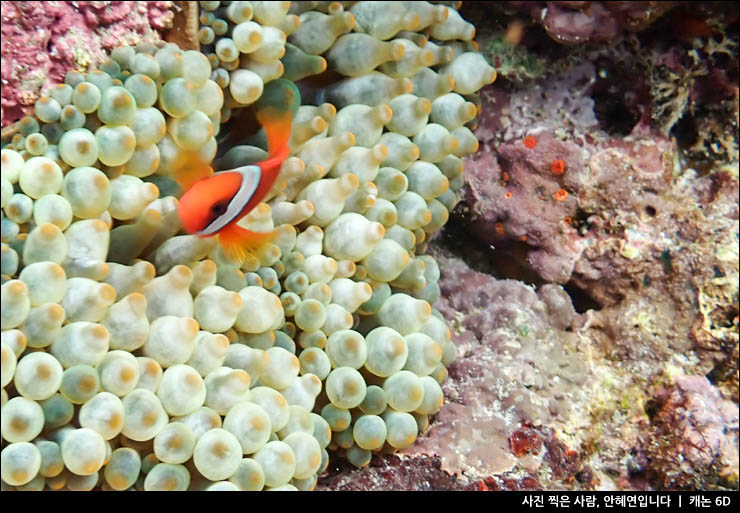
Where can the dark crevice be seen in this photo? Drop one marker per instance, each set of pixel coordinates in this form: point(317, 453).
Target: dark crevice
point(503, 259)
point(687, 134)
point(652, 407)
point(580, 221)
point(456, 239)
point(614, 115)
point(685, 131)
point(582, 302)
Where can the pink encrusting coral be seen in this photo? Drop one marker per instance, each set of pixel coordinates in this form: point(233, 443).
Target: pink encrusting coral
point(581, 22)
point(533, 203)
point(521, 193)
point(41, 41)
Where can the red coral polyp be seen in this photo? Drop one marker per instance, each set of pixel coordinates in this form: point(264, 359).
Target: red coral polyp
point(558, 167)
point(530, 141)
point(561, 195)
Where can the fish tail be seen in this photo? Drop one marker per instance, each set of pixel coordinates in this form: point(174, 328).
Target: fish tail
point(238, 243)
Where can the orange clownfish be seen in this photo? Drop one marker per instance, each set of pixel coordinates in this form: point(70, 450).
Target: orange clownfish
point(214, 204)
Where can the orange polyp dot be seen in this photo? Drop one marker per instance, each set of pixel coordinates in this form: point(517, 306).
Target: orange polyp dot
point(558, 167)
point(567, 220)
point(121, 101)
point(560, 195)
point(127, 374)
point(399, 346)
point(175, 442)
point(505, 176)
point(530, 141)
point(523, 238)
point(19, 475)
point(87, 383)
point(416, 394)
point(149, 418)
point(18, 424)
point(258, 423)
point(192, 379)
point(508, 195)
point(117, 481)
point(43, 372)
point(500, 229)
point(242, 376)
point(152, 367)
point(351, 388)
point(115, 421)
point(169, 483)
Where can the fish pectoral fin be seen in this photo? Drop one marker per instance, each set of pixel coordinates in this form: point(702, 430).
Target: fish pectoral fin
point(189, 168)
point(239, 244)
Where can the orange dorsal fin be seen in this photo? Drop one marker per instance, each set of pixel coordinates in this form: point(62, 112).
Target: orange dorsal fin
point(277, 124)
point(238, 243)
point(189, 168)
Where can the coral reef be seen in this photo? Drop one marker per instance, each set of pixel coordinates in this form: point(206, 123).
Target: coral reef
point(598, 197)
point(191, 370)
point(582, 22)
point(573, 23)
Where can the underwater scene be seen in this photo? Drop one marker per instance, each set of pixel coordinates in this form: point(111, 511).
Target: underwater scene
point(369, 245)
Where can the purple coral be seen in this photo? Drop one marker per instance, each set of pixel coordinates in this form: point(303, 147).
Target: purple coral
point(582, 22)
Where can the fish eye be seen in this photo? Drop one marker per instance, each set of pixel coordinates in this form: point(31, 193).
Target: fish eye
point(219, 208)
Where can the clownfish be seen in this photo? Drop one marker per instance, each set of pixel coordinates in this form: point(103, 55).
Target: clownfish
point(213, 204)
